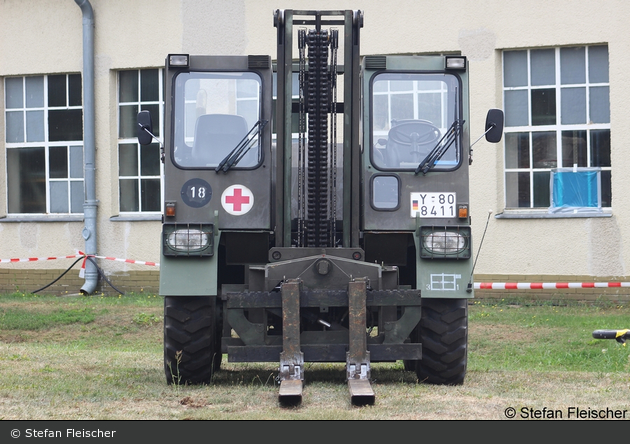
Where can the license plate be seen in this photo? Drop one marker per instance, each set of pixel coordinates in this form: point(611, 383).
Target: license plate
point(433, 205)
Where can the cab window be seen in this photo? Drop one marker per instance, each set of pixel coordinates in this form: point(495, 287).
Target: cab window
point(216, 114)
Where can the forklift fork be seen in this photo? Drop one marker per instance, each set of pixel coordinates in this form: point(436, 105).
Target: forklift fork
point(291, 374)
point(358, 356)
point(291, 358)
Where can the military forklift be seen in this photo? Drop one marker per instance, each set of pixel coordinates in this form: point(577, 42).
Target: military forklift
point(316, 208)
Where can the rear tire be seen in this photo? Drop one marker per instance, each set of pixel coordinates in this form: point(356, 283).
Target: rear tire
point(190, 339)
point(443, 331)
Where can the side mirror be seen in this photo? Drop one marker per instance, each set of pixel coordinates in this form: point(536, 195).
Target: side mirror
point(145, 128)
point(494, 125)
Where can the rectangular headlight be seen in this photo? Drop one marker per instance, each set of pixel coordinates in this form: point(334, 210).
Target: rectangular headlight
point(188, 239)
point(179, 60)
point(455, 62)
point(445, 242)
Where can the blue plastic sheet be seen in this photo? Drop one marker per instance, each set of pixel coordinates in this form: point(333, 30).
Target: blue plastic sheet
point(575, 190)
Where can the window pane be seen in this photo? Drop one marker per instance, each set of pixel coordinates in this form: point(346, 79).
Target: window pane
point(377, 87)
point(129, 195)
point(516, 112)
point(59, 197)
point(155, 113)
point(74, 90)
point(150, 194)
point(58, 162)
point(543, 63)
point(573, 105)
point(599, 104)
point(515, 68)
point(128, 159)
point(606, 188)
point(128, 122)
point(13, 88)
point(385, 192)
point(15, 126)
point(429, 107)
point(246, 89)
point(35, 92)
point(572, 65)
point(76, 161)
point(544, 150)
point(26, 180)
point(249, 110)
point(128, 87)
point(380, 113)
point(150, 160)
point(401, 85)
point(135, 162)
point(598, 64)
point(574, 148)
point(402, 106)
point(192, 88)
point(517, 190)
point(190, 123)
point(57, 90)
point(77, 196)
point(600, 148)
point(544, 106)
point(66, 124)
point(541, 189)
point(149, 84)
point(35, 126)
point(517, 150)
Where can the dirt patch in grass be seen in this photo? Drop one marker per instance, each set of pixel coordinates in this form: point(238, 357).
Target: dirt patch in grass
point(507, 333)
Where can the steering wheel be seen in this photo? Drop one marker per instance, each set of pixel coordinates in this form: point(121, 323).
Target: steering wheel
point(414, 134)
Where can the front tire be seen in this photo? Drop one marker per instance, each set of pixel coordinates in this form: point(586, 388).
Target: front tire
point(443, 332)
point(190, 339)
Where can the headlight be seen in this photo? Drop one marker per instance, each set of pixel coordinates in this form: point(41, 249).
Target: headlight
point(445, 242)
point(188, 240)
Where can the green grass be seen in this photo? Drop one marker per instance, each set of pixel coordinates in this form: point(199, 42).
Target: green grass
point(101, 357)
point(19, 319)
point(517, 335)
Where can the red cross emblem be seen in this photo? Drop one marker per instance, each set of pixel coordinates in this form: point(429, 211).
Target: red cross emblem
point(237, 200)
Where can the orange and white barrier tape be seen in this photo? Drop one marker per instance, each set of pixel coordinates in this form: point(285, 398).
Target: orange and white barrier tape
point(546, 285)
point(128, 261)
point(34, 259)
point(78, 255)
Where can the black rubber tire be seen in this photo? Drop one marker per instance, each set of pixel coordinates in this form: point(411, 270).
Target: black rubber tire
point(444, 336)
point(190, 342)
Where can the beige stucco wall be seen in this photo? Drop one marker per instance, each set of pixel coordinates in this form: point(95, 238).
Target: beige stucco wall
point(45, 36)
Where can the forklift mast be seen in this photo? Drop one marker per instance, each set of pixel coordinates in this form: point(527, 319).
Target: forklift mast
point(317, 182)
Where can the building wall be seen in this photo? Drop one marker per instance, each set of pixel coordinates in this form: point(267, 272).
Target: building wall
point(45, 36)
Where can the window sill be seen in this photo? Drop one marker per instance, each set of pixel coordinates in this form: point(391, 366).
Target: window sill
point(544, 214)
point(42, 218)
point(136, 218)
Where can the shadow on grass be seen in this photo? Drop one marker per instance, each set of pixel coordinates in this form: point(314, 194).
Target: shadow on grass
point(266, 374)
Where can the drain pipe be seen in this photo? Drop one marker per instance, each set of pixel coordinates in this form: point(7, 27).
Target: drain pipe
point(89, 147)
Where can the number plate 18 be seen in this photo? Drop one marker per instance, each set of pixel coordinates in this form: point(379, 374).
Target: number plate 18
point(433, 204)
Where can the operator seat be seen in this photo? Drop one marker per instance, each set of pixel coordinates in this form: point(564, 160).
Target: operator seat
point(215, 136)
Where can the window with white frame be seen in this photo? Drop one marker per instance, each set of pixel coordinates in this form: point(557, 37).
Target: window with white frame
point(139, 166)
point(557, 114)
point(44, 144)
